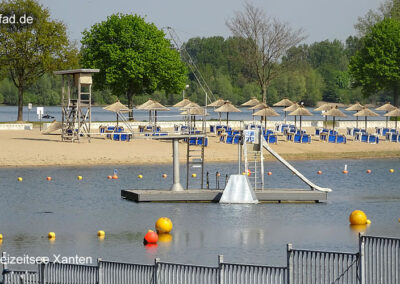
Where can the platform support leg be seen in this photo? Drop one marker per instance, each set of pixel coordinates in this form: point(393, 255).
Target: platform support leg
point(175, 154)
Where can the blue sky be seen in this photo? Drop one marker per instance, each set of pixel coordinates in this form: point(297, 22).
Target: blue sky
point(320, 19)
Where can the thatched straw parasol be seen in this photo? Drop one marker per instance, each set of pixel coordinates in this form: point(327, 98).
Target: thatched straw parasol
point(264, 113)
point(190, 105)
point(365, 112)
point(386, 107)
point(182, 103)
point(394, 113)
point(250, 103)
point(356, 107)
point(291, 108)
point(227, 107)
point(301, 111)
point(323, 108)
point(284, 103)
point(193, 112)
point(335, 112)
point(118, 108)
point(155, 106)
point(218, 103)
point(257, 107)
point(144, 105)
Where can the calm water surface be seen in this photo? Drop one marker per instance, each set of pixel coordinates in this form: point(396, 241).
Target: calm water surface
point(9, 113)
point(76, 210)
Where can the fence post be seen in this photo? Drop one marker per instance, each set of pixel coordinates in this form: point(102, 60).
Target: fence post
point(4, 260)
point(21, 279)
point(42, 277)
point(361, 270)
point(289, 256)
point(221, 269)
point(155, 272)
point(100, 273)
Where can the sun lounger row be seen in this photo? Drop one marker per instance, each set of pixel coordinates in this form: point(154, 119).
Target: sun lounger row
point(367, 138)
point(319, 131)
point(149, 128)
point(383, 131)
point(198, 141)
point(219, 128)
point(299, 137)
point(392, 137)
point(353, 131)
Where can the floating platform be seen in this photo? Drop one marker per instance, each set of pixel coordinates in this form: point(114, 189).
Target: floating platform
point(207, 195)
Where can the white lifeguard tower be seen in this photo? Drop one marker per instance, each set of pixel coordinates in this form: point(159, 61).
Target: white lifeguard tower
point(76, 103)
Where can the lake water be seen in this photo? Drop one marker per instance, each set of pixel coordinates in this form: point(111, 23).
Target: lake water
point(76, 210)
point(9, 113)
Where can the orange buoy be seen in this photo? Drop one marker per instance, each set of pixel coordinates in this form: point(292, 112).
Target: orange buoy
point(49, 178)
point(269, 173)
point(345, 172)
point(151, 237)
point(164, 176)
point(218, 174)
point(114, 177)
point(109, 177)
point(369, 171)
point(319, 172)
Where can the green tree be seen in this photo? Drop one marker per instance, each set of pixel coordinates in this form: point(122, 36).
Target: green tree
point(377, 65)
point(133, 56)
point(28, 51)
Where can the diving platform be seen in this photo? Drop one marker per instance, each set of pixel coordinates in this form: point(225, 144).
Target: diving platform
point(206, 195)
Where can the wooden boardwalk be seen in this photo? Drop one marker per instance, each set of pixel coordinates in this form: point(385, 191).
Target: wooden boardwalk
point(206, 195)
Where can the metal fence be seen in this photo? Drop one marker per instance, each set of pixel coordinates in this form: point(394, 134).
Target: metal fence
point(117, 272)
point(312, 267)
point(171, 273)
point(378, 261)
point(20, 277)
point(55, 273)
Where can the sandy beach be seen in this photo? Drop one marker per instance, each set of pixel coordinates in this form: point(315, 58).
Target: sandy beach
point(31, 148)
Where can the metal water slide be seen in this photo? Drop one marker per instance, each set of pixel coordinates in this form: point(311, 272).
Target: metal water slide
point(296, 172)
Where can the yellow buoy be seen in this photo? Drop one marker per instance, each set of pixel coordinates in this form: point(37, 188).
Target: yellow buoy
point(1, 236)
point(164, 225)
point(165, 237)
point(358, 217)
point(51, 235)
point(80, 177)
point(194, 175)
point(101, 234)
point(20, 179)
point(391, 170)
point(140, 176)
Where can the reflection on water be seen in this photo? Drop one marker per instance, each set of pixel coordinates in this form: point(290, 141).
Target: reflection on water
point(76, 210)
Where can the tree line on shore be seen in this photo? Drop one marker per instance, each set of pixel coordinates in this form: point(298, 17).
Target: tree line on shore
point(135, 68)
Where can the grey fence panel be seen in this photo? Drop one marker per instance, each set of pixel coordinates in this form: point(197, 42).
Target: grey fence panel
point(380, 259)
point(18, 277)
point(314, 267)
point(171, 273)
point(253, 274)
point(61, 273)
point(117, 272)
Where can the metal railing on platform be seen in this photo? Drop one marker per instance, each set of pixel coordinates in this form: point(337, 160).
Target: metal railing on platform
point(377, 261)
